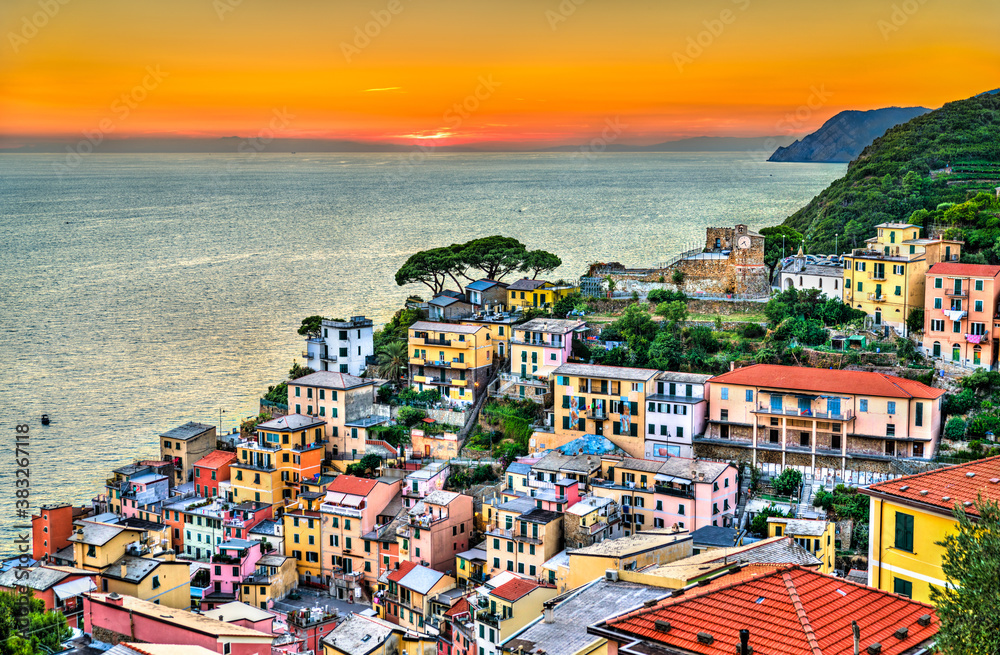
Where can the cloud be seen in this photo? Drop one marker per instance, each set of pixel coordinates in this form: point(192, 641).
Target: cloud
point(388, 88)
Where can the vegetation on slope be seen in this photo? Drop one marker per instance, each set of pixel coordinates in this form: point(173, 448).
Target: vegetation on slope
point(891, 180)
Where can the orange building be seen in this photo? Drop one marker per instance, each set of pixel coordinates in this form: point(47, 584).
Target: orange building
point(50, 530)
point(960, 310)
point(272, 466)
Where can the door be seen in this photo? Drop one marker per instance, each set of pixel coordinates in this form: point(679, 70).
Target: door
point(500, 349)
point(878, 317)
point(427, 453)
point(833, 406)
point(599, 428)
point(805, 407)
point(956, 354)
point(878, 291)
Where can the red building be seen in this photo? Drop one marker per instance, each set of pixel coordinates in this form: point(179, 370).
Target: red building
point(210, 470)
point(59, 587)
point(50, 530)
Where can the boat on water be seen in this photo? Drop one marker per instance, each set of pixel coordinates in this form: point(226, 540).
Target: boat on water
point(45, 419)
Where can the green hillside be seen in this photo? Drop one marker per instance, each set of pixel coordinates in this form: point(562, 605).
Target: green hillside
point(899, 177)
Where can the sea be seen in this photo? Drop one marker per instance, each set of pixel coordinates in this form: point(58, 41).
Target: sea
point(142, 291)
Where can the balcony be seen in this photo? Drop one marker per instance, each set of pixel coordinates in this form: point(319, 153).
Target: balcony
point(305, 354)
point(257, 445)
point(429, 341)
point(957, 293)
point(340, 510)
point(512, 534)
point(877, 276)
point(804, 413)
point(671, 491)
point(301, 448)
point(459, 383)
point(877, 298)
point(529, 381)
point(597, 414)
point(489, 619)
point(327, 355)
point(457, 364)
point(418, 361)
point(534, 342)
point(982, 338)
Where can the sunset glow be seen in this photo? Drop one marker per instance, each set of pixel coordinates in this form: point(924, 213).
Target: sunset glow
point(542, 72)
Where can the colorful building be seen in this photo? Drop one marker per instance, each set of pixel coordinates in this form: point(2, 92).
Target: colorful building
point(485, 295)
point(210, 470)
point(537, 293)
point(508, 608)
point(912, 514)
point(97, 545)
point(271, 467)
point(165, 581)
point(541, 345)
point(885, 279)
point(812, 417)
point(349, 511)
point(432, 442)
point(455, 359)
point(303, 540)
point(438, 527)
point(521, 537)
point(343, 402)
point(686, 494)
point(185, 445)
point(424, 481)
point(50, 530)
point(501, 328)
point(59, 587)
point(676, 411)
point(405, 594)
point(234, 560)
point(960, 303)
point(113, 618)
point(608, 401)
point(342, 346)
point(639, 551)
point(816, 537)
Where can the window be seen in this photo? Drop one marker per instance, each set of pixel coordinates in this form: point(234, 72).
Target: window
point(979, 305)
point(156, 582)
point(902, 587)
point(723, 414)
point(904, 531)
point(937, 303)
point(899, 290)
point(937, 324)
point(749, 395)
point(938, 283)
point(724, 393)
point(919, 415)
point(891, 407)
point(890, 430)
point(680, 510)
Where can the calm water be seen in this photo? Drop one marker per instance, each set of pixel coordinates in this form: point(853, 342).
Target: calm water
point(144, 291)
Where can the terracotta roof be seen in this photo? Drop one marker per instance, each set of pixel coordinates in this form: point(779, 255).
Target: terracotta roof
point(400, 573)
point(514, 589)
point(792, 610)
point(943, 488)
point(215, 459)
point(461, 607)
point(964, 270)
point(824, 380)
point(351, 484)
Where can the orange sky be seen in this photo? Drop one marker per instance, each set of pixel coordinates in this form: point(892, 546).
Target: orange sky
point(549, 71)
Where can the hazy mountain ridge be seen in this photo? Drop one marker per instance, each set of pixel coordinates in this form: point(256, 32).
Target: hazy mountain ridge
point(846, 135)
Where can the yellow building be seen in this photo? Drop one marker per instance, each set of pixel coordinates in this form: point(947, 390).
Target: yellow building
point(508, 607)
point(626, 554)
point(521, 537)
point(885, 279)
point(343, 402)
point(501, 329)
point(817, 537)
point(273, 578)
point(455, 359)
point(911, 514)
point(538, 293)
point(604, 400)
point(303, 534)
point(406, 595)
point(164, 582)
point(185, 445)
point(471, 568)
point(97, 545)
point(368, 635)
point(272, 466)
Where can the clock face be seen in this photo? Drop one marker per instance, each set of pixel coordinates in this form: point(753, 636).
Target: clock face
point(743, 242)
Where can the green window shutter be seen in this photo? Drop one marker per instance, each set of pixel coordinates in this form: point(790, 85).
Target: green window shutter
point(565, 402)
point(581, 425)
point(634, 408)
point(633, 429)
point(616, 428)
point(565, 423)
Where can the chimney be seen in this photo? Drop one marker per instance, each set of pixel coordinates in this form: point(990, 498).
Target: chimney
point(547, 615)
point(745, 642)
point(115, 599)
point(857, 637)
point(124, 569)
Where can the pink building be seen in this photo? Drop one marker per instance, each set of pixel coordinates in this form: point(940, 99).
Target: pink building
point(541, 345)
point(960, 303)
point(438, 528)
point(554, 496)
point(144, 496)
point(235, 560)
point(245, 516)
point(112, 619)
point(418, 484)
point(822, 418)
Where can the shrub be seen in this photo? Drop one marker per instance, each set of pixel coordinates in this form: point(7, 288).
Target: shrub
point(787, 484)
point(954, 430)
point(753, 331)
point(677, 277)
point(657, 296)
point(410, 416)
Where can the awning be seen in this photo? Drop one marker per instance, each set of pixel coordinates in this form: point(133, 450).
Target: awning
point(74, 588)
point(544, 371)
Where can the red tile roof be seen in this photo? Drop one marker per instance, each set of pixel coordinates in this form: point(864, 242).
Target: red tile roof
point(964, 270)
point(351, 484)
point(514, 589)
point(215, 459)
point(793, 610)
point(824, 380)
point(943, 488)
point(461, 607)
point(398, 574)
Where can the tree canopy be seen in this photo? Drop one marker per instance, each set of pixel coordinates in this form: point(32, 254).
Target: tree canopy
point(971, 564)
point(45, 630)
point(775, 247)
point(494, 257)
point(312, 326)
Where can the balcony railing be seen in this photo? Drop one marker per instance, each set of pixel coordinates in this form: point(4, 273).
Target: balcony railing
point(876, 297)
point(957, 293)
point(517, 379)
point(878, 277)
point(804, 413)
point(512, 534)
point(437, 342)
point(340, 510)
point(671, 491)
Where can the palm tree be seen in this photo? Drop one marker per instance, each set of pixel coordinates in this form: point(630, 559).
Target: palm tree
point(392, 357)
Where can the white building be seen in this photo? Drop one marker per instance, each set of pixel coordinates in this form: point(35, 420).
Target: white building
point(809, 272)
point(677, 412)
point(343, 347)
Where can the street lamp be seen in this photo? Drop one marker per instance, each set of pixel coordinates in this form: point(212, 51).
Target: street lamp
point(221, 412)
